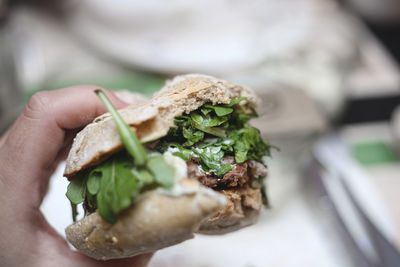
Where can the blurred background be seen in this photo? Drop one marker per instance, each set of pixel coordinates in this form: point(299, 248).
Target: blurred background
point(326, 71)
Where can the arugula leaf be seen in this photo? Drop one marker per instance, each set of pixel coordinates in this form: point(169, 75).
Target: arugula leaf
point(143, 176)
point(208, 120)
point(216, 131)
point(76, 190)
point(211, 157)
point(128, 137)
point(162, 172)
point(183, 153)
point(74, 211)
point(104, 209)
point(235, 101)
point(118, 188)
point(93, 182)
point(241, 148)
point(249, 145)
point(192, 135)
point(205, 111)
point(219, 110)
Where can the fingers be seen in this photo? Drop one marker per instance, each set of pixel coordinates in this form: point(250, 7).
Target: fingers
point(3, 138)
point(137, 261)
point(54, 247)
point(36, 138)
point(76, 106)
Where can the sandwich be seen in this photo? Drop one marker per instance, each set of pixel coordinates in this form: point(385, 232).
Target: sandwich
point(188, 162)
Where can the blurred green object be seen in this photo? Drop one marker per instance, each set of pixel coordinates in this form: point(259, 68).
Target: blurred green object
point(373, 153)
point(142, 83)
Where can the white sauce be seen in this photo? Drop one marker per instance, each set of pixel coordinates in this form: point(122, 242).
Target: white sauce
point(172, 149)
point(179, 165)
point(199, 150)
point(180, 189)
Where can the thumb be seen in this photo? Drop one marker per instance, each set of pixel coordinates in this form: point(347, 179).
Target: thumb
point(28, 153)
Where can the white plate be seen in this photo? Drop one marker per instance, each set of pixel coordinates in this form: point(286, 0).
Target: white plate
point(198, 36)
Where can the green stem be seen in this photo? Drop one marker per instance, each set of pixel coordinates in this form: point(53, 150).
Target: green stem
point(128, 137)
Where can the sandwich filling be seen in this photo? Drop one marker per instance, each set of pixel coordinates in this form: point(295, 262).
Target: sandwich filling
point(221, 150)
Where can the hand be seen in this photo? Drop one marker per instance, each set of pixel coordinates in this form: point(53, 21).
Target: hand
point(29, 153)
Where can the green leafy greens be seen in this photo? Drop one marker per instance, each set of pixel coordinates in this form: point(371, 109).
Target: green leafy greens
point(113, 185)
point(214, 131)
point(208, 133)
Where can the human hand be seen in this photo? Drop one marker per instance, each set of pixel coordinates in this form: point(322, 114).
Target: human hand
point(29, 153)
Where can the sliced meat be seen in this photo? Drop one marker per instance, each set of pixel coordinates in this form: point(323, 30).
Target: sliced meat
point(241, 174)
point(256, 169)
point(236, 177)
point(228, 160)
point(194, 171)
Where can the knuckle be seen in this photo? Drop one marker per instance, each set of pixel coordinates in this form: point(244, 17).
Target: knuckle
point(37, 104)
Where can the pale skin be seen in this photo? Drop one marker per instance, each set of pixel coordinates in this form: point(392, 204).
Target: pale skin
point(29, 153)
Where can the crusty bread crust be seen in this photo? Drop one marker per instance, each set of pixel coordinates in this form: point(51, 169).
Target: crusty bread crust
point(155, 221)
point(150, 120)
point(131, 98)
